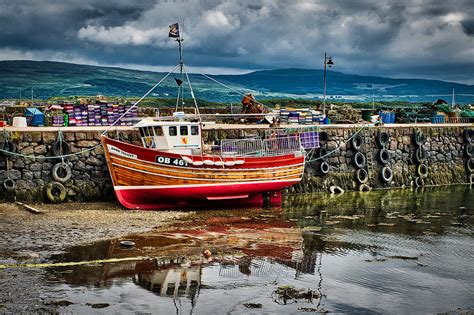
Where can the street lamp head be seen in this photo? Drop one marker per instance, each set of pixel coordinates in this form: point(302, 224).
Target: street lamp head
point(329, 62)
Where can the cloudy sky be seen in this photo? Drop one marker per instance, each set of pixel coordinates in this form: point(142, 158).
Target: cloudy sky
point(402, 38)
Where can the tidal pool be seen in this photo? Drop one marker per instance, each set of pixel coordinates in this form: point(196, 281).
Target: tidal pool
point(397, 251)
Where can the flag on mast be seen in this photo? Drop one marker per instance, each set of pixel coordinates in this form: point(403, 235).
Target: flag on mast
point(174, 30)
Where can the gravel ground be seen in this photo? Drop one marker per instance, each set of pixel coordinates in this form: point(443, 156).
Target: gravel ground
point(34, 238)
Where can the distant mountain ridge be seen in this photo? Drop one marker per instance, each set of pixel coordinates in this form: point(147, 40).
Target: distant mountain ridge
point(49, 79)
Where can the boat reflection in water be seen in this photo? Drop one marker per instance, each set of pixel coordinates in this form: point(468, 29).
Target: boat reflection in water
point(347, 249)
point(171, 281)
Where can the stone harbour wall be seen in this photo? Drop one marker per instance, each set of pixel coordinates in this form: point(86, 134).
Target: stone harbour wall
point(444, 159)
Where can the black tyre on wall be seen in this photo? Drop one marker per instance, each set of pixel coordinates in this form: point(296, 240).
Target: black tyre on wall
point(383, 139)
point(383, 156)
point(8, 147)
point(386, 174)
point(359, 160)
point(356, 142)
point(324, 167)
point(55, 192)
point(61, 147)
point(362, 176)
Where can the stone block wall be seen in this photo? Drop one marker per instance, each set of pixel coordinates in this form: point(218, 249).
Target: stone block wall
point(90, 179)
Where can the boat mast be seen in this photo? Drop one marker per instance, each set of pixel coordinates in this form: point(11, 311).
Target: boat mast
point(181, 64)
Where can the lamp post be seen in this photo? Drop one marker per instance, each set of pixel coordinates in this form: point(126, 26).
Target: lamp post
point(329, 63)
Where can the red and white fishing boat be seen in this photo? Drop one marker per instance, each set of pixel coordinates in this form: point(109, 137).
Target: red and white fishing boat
point(174, 168)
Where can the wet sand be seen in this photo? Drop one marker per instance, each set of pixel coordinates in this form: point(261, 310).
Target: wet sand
point(26, 237)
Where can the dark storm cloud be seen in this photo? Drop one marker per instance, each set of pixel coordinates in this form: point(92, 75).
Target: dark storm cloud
point(418, 38)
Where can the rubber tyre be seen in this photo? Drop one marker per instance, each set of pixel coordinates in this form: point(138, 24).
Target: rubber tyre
point(59, 146)
point(323, 138)
point(470, 165)
point(469, 150)
point(55, 192)
point(8, 146)
point(386, 174)
point(362, 176)
point(469, 136)
point(383, 156)
point(322, 153)
point(336, 190)
point(383, 139)
point(419, 155)
point(9, 184)
point(324, 168)
point(359, 160)
point(423, 171)
point(418, 139)
point(356, 142)
point(365, 188)
point(61, 177)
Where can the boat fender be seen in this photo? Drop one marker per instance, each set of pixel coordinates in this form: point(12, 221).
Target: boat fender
point(55, 192)
point(187, 159)
point(239, 162)
point(322, 153)
point(324, 167)
point(470, 165)
point(419, 155)
point(386, 174)
point(423, 171)
point(419, 182)
point(418, 138)
point(229, 163)
point(383, 139)
point(198, 163)
point(61, 172)
point(336, 190)
point(468, 150)
point(384, 156)
point(359, 160)
point(364, 188)
point(469, 135)
point(356, 142)
point(219, 163)
point(9, 184)
point(8, 147)
point(323, 138)
point(60, 147)
point(362, 176)
point(208, 162)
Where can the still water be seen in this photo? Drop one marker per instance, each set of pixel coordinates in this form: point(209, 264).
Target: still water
point(380, 252)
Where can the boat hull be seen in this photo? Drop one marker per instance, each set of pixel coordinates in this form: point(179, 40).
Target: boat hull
point(142, 182)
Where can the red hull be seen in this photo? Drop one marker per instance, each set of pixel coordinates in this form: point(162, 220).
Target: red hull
point(140, 182)
point(148, 198)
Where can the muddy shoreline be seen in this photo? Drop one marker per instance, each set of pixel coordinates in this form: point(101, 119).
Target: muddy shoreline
point(26, 237)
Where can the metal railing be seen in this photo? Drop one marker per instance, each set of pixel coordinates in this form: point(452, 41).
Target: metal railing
point(242, 147)
point(282, 145)
point(257, 147)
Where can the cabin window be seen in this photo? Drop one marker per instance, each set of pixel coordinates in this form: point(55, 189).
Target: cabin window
point(194, 130)
point(158, 131)
point(183, 130)
point(142, 132)
point(172, 130)
point(149, 132)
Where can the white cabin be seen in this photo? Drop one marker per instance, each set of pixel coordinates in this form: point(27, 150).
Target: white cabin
point(181, 137)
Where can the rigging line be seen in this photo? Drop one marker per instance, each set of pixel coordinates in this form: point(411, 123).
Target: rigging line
point(136, 103)
point(192, 93)
point(226, 86)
